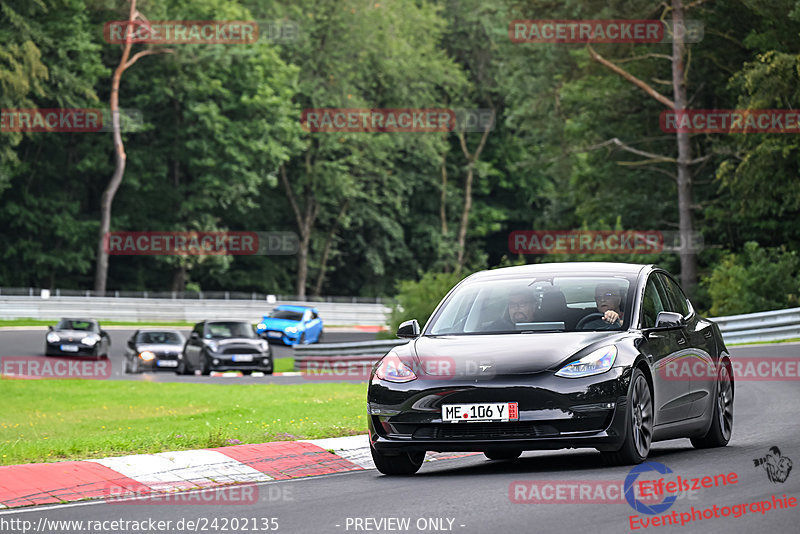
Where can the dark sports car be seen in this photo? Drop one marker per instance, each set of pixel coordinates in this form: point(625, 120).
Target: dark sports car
point(552, 356)
point(153, 350)
point(77, 337)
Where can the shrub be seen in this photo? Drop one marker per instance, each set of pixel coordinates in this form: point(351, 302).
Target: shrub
point(757, 279)
point(418, 299)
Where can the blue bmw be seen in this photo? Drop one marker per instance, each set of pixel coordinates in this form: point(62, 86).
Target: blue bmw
point(291, 325)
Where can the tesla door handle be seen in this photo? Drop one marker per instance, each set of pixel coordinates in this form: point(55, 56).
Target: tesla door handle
point(681, 340)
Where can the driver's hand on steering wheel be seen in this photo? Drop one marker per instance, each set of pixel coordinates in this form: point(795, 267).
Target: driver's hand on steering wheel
point(611, 317)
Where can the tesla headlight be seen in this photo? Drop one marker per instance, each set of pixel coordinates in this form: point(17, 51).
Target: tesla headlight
point(392, 369)
point(594, 363)
point(90, 340)
point(291, 329)
point(147, 356)
point(52, 337)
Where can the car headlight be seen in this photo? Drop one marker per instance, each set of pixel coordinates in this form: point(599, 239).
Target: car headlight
point(596, 362)
point(291, 329)
point(90, 340)
point(52, 337)
point(261, 326)
point(392, 369)
point(147, 356)
point(264, 346)
point(212, 345)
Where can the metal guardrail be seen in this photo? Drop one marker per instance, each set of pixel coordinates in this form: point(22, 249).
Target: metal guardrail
point(761, 326)
point(194, 295)
point(357, 355)
point(189, 310)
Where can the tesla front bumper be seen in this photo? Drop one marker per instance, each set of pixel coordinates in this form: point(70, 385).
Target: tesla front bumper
point(554, 413)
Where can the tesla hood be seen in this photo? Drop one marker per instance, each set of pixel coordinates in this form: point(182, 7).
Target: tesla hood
point(505, 354)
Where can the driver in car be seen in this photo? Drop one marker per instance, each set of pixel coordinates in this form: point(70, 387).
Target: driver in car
point(521, 309)
point(608, 298)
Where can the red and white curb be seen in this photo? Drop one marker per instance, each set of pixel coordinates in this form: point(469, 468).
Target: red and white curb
point(59, 482)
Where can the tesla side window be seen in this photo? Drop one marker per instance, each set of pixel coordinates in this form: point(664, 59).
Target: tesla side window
point(651, 303)
point(676, 298)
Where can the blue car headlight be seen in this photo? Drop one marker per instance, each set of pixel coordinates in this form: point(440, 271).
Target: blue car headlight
point(596, 362)
point(291, 329)
point(261, 326)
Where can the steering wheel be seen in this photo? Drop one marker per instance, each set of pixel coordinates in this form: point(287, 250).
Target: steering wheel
point(595, 315)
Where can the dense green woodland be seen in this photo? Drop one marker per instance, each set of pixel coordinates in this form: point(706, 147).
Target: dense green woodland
point(222, 142)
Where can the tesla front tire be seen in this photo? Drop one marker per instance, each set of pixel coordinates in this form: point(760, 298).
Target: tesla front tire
point(722, 423)
point(405, 463)
point(638, 425)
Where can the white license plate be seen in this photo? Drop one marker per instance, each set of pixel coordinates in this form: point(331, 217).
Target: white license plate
point(274, 334)
point(167, 363)
point(491, 411)
point(242, 357)
point(69, 348)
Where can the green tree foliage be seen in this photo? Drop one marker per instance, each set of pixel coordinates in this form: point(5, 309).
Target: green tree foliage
point(416, 299)
point(757, 279)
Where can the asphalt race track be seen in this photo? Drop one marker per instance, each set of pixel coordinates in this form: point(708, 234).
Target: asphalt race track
point(30, 342)
point(473, 495)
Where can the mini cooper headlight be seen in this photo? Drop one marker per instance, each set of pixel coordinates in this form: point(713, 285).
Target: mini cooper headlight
point(596, 362)
point(52, 337)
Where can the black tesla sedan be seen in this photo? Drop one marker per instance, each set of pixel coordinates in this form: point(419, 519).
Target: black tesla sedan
point(552, 356)
point(225, 346)
point(77, 337)
point(153, 350)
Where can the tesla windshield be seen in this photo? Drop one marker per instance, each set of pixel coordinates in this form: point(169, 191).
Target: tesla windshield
point(542, 304)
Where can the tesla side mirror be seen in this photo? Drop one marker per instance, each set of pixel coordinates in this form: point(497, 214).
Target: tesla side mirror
point(667, 319)
point(408, 329)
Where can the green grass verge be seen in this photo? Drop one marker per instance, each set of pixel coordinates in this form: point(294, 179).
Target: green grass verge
point(283, 365)
point(50, 420)
point(792, 340)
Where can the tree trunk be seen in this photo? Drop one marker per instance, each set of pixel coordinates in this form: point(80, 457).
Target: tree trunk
point(326, 251)
point(179, 278)
point(107, 199)
point(305, 223)
point(471, 160)
point(688, 255)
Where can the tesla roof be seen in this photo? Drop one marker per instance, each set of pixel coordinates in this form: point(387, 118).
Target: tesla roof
point(587, 267)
